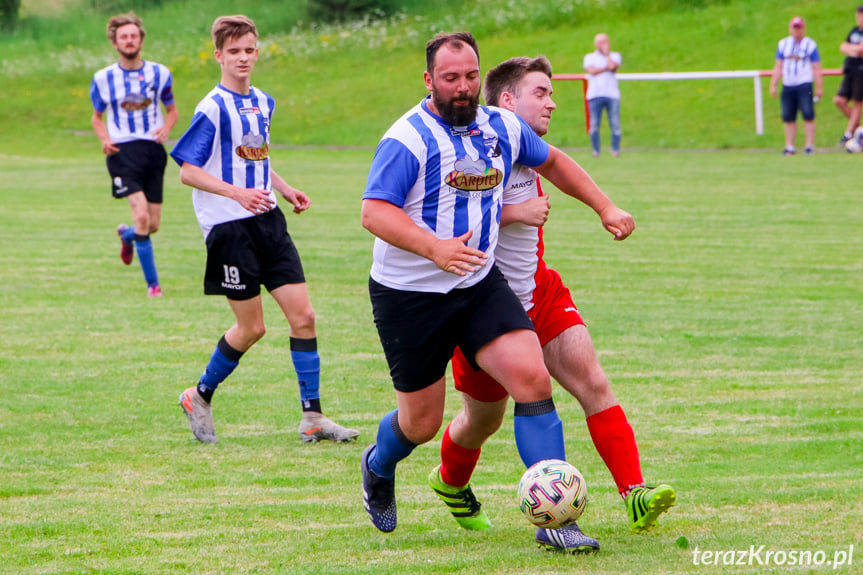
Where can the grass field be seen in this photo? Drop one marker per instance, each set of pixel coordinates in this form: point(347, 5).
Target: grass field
point(730, 324)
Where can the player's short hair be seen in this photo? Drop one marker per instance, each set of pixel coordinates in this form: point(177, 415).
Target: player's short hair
point(121, 20)
point(506, 76)
point(231, 27)
point(457, 40)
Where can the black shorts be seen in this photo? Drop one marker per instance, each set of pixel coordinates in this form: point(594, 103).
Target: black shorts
point(244, 254)
point(139, 166)
point(852, 86)
point(419, 331)
point(796, 98)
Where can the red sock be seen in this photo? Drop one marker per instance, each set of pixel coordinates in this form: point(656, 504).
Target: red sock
point(457, 462)
point(615, 441)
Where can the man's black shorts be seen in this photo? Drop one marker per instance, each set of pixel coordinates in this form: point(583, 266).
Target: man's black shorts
point(244, 254)
point(419, 331)
point(139, 166)
point(852, 85)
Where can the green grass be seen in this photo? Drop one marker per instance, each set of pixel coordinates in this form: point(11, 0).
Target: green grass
point(730, 324)
point(344, 85)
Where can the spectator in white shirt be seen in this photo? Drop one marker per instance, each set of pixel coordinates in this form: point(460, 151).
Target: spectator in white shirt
point(603, 93)
point(798, 64)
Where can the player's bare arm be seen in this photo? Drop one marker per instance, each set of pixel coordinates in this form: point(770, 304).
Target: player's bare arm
point(298, 199)
point(571, 179)
point(532, 212)
point(391, 224)
point(108, 146)
point(253, 200)
point(161, 134)
point(774, 78)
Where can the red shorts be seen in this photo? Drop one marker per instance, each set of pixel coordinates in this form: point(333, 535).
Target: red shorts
point(552, 313)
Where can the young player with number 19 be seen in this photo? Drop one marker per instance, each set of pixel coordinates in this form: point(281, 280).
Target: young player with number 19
point(224, 156)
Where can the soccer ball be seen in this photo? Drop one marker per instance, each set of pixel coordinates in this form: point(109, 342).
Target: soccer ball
point(855, 144)
point(552, 494)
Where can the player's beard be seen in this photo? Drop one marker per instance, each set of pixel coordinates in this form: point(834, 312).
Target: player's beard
point(457, 115)
point(130, 54)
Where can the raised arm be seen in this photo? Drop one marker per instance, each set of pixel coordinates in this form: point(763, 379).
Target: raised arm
point(571, 179)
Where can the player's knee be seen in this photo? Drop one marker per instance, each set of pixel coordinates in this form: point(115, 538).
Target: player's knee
point(303, 320)
point(531, 384)
point(251, 334)
point(422, 427)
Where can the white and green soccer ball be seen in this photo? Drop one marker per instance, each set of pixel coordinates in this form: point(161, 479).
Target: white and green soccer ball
point(552, 494)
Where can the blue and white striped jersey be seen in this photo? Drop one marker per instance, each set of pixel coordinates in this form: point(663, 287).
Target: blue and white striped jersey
point(448, 180)
point(229, 138)
point(797, 59)
point(132, 99)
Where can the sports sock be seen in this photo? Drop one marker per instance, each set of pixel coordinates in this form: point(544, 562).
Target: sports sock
point(615, 441)
point(307, 364)
point(538, 432)
point(456, 462)
point(391, 446)
point(144, 247)
point(223, 361)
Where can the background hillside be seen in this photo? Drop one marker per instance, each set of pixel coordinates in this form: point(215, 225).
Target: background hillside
point(344, 85)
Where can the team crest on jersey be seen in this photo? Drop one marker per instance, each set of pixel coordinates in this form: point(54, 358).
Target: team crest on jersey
point(492, 147)
point(135, 102)
point(473, 176)
point(253, 147)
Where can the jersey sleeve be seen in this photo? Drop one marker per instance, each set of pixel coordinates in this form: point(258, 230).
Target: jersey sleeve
point(533, 150)
point(393, 173)
point(96, 97)
point(167, 93)
point(815, 57)
point(196, 144)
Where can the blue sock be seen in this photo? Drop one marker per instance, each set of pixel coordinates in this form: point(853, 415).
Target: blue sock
point(391, 446)
point(307, 363)
point(144, 247)
point(128, 234)
point(538, 432)
point(222, 363)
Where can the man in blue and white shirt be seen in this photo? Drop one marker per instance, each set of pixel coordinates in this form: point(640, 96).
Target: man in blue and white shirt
point(127, 100)
point(433, 200)
point(799, 65)
point(225, 157)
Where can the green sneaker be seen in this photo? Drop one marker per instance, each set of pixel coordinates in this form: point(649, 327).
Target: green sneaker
point(461, 502)
point(644, 505)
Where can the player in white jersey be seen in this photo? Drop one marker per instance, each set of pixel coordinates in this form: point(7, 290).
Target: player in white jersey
point(224, 156)
point(523, 85)
point(798, 64)
point(433, 200)
point(127, 100)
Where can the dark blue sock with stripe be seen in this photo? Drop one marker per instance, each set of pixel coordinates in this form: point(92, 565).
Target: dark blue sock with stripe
point(391, 446)
point(222, 363)
point(144, 247)
point(538, 432)
point(307, 363)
